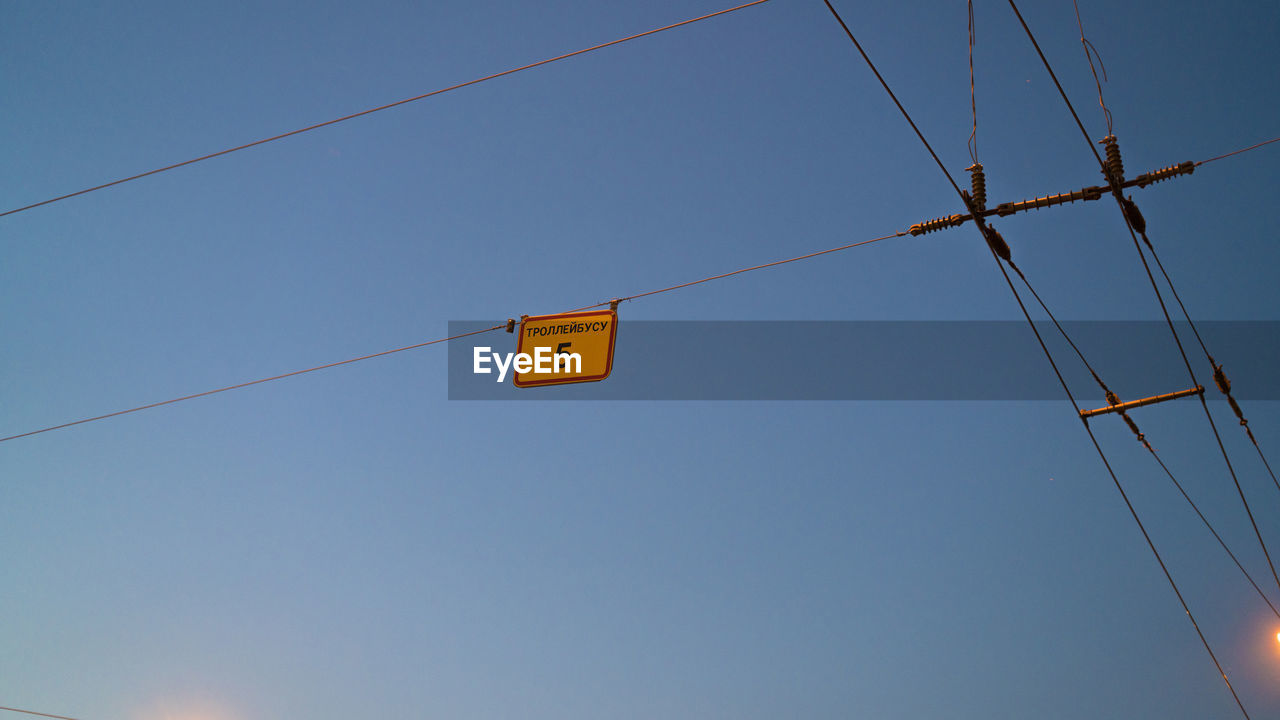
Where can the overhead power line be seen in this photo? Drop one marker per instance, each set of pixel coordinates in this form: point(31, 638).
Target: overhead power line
point(1211, 529)
point(238, 386)
point(1241, 150)
point(1116, 406)
point(250, 383)
point(380, 108)
point(1000, 250)
point(1113, 170)
point(740, 271)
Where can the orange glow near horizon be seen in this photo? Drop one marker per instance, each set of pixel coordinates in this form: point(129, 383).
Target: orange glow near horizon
point(187, 709)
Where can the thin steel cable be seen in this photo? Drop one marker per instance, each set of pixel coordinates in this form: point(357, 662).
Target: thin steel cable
point(1208, 525)
point(1204, 404)
point(447, 339)
point(973, 93)
point(894, 97)
point(1177, 298)
point(1119, 196)
point(1265, 464)
point(775, 263)
point(1207, 354)
point(1124, 495)
point(250, 383)
point(1213, 426)
point(1116, 480)
point(1058, 325)
point(1054, 76)
point(1089, 53)
point(1204, 641)
point(379, 108)
point(1237, 152)
point(1132, 511)
point(33, 712)
point(978, 221)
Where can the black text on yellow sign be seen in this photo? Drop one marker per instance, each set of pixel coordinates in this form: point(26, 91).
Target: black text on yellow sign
point(567, 348)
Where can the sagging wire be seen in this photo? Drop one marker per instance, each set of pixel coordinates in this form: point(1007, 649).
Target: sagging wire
point(973, 95)
point(508, 326)
point(380, 108)
point(1090, 52)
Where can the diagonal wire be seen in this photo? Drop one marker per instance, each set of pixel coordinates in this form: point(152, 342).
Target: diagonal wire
point(379, 108)
point(894, 98)
point(775, 263)
point(1237, 152)
point(1209, 416)
point(1147, 445)
point(1129, 223)
point(1216, 536)
point(248, 384)
point(446, 339)
point(1058, 325)
point(33, 712)
point(981, 225)
point(1226, 388)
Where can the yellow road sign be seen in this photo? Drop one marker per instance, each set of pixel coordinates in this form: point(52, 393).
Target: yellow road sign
point(566, 348)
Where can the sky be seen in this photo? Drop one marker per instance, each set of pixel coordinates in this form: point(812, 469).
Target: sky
point(353, 543)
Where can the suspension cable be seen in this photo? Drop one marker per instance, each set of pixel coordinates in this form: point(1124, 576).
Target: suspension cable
point(1113, 170)
point(991, 237)
point(380, 108)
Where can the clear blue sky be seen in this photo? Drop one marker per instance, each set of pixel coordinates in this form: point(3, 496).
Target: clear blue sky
point(353, 544)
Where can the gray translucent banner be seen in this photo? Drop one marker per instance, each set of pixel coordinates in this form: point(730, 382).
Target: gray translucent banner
point(857, 360)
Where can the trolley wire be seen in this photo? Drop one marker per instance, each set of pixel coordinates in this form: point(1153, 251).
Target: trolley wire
point(1219, 376)
point(1113, 399)
point(992, 245)
point(1132, 218)
point(996, 256)
point(380, 108)
point(1209, 525)
point(326, 366)
point(629, 298)
point(894, 98)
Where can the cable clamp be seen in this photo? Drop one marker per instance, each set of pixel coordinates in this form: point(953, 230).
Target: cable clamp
point(997, 244)
point(1220, 377)
point(1134, 215)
